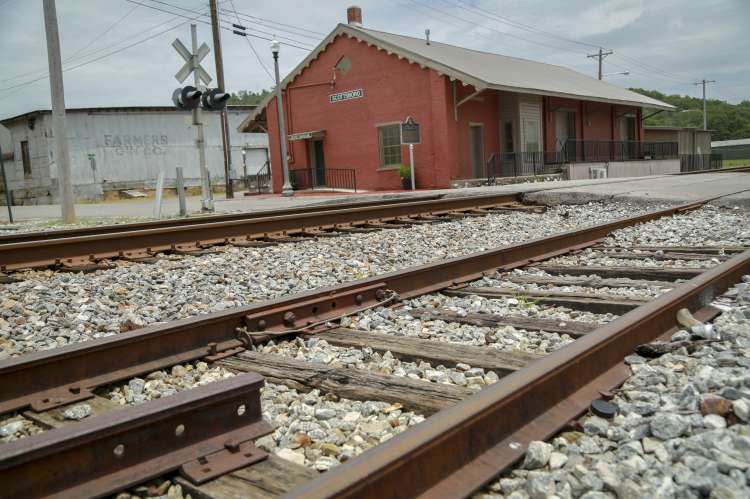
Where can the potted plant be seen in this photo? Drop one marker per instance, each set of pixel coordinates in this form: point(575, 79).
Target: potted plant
point(404, 172)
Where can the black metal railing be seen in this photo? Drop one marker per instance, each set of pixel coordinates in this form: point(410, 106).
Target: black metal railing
point(580, 151)
point(333, 178)
point(522, 164)
point(700, 162)
point(260, 181)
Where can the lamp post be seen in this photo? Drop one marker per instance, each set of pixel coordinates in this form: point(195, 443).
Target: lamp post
point(287, 189)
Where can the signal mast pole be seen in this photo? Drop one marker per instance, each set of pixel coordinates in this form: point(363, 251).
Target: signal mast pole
point(207, 203)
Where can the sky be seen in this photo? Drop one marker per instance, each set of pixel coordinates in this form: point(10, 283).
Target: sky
point(119, 53)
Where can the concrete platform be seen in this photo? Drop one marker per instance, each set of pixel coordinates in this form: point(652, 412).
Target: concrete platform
point(735, 187)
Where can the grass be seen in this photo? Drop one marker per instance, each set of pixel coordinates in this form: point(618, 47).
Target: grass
point(730, 163)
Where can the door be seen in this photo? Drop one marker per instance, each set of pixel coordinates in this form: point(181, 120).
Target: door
point(320, 163)
point(565, 133)
point(627, 137)
point(476, 134)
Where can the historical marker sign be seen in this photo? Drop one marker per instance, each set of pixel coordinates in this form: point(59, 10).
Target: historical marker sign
point(410, 132)
point(348, 95)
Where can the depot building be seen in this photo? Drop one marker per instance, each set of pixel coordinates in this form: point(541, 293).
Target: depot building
point(343, 105)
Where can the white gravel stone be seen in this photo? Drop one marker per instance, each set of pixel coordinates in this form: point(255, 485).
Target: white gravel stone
point(77, 412)
point(399, 322)
point(659, 444)
point(50, 309)
point(316, 350)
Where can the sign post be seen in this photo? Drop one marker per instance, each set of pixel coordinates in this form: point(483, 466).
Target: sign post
point(410, 134)
point(8, 199)
point(192, 65)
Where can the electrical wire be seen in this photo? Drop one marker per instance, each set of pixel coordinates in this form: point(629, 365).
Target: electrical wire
point(252, 48)
point(69, 68)
point(100, 35)
point(682, 78)
point(266, 24)
point(474, 23)
point(43, 71)
point(295, 43)
point(516, 24)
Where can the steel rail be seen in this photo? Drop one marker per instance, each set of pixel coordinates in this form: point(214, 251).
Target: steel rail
point(457, 451)
point(112, 245)
point(205, 432)
point(51, 378)
point(180, 222)
point(227, 217)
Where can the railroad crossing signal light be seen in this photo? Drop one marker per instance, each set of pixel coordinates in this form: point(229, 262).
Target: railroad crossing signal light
point(187, 98)
point(214, 99)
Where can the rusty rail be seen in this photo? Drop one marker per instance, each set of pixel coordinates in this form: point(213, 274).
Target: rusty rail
point(461, 448)
point(51, 378)
point(47, 252)
point(181, 222)
point(205, 432)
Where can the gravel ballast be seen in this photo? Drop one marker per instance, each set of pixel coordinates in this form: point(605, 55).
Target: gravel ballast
point(315, 429)
point(681, 431)
point(400, 322)
point(50, 309)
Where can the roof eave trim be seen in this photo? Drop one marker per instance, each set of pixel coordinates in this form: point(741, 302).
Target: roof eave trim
point(665, 107)
point(363, 36)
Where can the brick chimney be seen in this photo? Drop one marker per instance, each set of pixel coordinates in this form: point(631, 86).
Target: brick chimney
point(354, 16)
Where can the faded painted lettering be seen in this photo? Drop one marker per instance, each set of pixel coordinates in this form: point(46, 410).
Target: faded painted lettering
point(137, 145)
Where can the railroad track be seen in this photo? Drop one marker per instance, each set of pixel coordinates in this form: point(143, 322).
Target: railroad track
point(206, 433)
point(91, 249)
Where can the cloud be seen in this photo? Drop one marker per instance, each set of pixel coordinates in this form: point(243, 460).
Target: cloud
point(666, 45)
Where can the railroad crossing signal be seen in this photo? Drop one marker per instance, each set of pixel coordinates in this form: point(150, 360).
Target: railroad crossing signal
point(187, 98)
point(192, 62)
point(214, 99)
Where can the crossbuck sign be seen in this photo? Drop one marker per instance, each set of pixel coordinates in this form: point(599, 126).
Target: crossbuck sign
point(192, 62)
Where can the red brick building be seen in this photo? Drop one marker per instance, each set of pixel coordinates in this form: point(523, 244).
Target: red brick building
point(478, 112)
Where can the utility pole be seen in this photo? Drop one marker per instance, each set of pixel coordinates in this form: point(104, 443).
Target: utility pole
point(705, 111)
point(62, 152)
point(600, 55)
point(226, 143)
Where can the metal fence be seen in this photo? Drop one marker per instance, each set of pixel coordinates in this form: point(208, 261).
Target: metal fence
point(700, 162)
point(521, 164)
point(334, 178)
point(261, 180)
point(625, 150)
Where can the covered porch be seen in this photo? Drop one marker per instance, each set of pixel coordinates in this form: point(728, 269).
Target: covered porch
point(542, 134)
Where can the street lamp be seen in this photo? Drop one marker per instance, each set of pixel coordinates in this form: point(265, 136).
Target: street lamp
point(619, 73)
point(287, 189)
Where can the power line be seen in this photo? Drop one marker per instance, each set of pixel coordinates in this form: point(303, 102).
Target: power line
point(666, 74)
point(474, 23)
point(252, 48)
point(271, 21)
point(100, 35)
point(69, 68)
point(42, 72)
point(314, 35)
point(296, 43)
point(519, 25)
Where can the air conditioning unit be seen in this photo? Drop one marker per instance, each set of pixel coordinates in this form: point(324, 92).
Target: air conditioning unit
point(598, 172)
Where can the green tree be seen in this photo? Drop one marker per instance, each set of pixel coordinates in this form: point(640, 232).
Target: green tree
point(727, 121)
point(247, 97)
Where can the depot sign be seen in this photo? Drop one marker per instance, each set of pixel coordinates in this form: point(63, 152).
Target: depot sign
point(348, 95)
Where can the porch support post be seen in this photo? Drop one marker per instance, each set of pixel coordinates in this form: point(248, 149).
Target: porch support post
point(455, 102)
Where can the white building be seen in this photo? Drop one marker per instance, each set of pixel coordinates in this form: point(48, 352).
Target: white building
point(114, 149)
